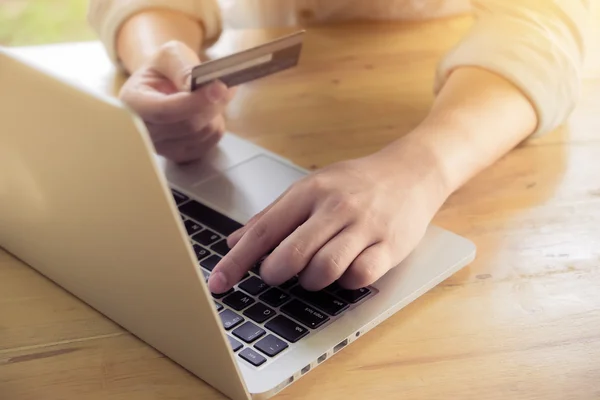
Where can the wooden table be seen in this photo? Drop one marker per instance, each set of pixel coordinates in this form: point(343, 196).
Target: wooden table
point(521, 322)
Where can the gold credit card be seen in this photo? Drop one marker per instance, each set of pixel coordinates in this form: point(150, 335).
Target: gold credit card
point(251, 64)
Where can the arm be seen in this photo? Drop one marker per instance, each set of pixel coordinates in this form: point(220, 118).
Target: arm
point(477, 118)
point(145, 33)
point(355, 220)
point(133, 30)
point(158, 43)
point(537, 45)
point(516, 74)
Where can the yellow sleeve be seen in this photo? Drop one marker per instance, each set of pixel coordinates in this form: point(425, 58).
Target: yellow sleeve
point(107, 16)
point(538, 45)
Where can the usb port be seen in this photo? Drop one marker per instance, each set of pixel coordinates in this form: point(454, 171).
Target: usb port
point(305, 369)
point(340, 345)
point(322, 358)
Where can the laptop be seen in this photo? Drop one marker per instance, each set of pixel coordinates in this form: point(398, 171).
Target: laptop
point(85, 201)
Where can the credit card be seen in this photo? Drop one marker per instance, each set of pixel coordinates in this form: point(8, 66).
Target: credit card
point(251, 64)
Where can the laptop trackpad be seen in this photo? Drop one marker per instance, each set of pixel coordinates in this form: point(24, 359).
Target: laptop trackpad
point(247, 188)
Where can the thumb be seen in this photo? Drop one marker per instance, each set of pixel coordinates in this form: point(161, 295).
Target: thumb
point(175, 61)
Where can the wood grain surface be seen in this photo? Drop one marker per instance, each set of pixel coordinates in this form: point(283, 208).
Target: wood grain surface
point(521, 322)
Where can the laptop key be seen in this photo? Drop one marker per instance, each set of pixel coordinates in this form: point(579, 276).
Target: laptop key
point(230, 320)
point(206, 237)
point(322, 300)
point(274, 297)
point(334, 287)
point(218, 306)
point(209, 217)
point(221, 295)
point(235, 345)
point(259, 313)
point(248, 332)
point(179, 197)
point(254, 286)
point(205, 274)
point(238, 300)
point(353, 296)
point(220, 247)
point(271, 345)
point(252, 357)
point(305, 314)
point(286, 328)
point(200, 251)
point(211, 262)
point(192, 227)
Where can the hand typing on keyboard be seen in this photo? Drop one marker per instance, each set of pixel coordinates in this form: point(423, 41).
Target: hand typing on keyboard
point(350, 222)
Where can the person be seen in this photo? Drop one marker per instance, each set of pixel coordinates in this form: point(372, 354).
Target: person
point(515, 75)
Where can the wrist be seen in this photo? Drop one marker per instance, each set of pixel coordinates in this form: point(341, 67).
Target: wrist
point(413, 160)
point(476, 118)
point(143, 35)
point(438, 154)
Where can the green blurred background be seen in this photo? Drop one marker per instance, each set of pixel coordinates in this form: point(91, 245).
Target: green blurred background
point(26, 22)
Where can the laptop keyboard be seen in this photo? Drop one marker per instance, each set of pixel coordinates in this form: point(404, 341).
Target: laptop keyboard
point(261, 321)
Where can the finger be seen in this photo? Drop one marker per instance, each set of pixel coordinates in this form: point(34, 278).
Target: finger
point(185, 130)
point(175, 61)
point(216, 125)
point(183, 133)
point(187, 150)
point(159, 108)
point(367, 268)
point(334, 258)
point(275, 225)
point(179, 131)
point(296, 251)
point(235, 237)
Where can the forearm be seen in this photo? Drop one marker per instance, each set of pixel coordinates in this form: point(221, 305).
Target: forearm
point(476, 119)
point(144, 33)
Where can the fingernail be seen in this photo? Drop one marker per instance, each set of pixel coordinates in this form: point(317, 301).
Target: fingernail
point(216, 92)
point(217, 283)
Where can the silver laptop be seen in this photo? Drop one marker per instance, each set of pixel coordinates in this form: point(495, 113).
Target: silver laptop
point(86, 202)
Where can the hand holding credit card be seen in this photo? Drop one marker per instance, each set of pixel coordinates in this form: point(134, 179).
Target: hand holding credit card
point(251, 64)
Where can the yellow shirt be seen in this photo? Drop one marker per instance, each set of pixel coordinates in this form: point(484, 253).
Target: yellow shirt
point(538, 45)
point(263, 13)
